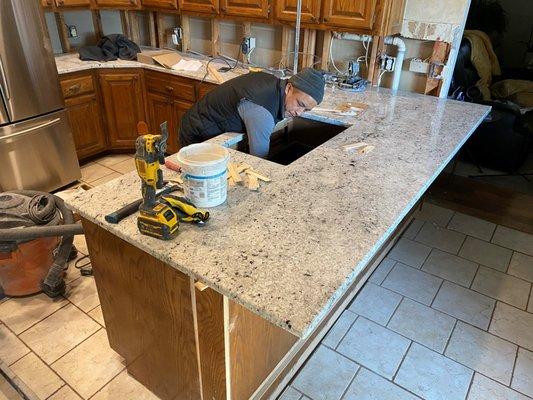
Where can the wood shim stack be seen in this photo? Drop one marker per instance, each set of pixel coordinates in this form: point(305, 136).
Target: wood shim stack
point(359, 147)
point(251, 176)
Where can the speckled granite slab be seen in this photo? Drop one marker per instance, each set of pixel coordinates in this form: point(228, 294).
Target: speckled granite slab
point(289, 250)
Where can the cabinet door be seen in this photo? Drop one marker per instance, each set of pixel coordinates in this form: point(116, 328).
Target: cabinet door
point(161, 109)
point(204, 88)
point(286, 10)
point(172, 4)
point(86, 124)
point(73, 3)
point(180, 108)
point(122, 93)
point(245, 8)
point(203, 6)
point(349, 13)
point(47, 3)
point(117, 3)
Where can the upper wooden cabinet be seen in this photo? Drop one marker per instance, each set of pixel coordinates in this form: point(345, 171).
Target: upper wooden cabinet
point(122, 94)
point(286, 10)
point(117, 3)
point(245, 8)
point(349, 13)
point(47, 3)
point(72, 3)
point(203, 6)
point(168, 4)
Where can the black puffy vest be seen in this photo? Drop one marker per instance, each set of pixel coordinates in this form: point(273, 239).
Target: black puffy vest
point(217, 113)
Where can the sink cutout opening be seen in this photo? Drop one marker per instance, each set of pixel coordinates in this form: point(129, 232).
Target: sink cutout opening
point(299, 137)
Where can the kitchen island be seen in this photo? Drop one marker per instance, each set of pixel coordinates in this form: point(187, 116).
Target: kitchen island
point(227, 310)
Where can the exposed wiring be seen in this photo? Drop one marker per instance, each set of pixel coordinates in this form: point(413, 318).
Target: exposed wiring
point(380, 76)
point(224, 69)
point(332, 61)
point(366, 54)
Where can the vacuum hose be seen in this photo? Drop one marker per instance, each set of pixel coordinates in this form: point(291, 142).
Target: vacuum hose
point(42, 210)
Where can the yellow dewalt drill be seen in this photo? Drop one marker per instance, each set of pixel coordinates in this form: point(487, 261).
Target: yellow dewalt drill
point(156, 219)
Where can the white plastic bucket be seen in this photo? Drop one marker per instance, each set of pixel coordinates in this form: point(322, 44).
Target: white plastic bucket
point(204, 167)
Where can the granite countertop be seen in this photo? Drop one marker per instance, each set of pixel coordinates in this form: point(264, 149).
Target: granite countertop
point(289, 250)
point(71, 62)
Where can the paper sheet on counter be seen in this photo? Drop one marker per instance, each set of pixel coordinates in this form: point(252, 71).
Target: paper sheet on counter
point(187, 65)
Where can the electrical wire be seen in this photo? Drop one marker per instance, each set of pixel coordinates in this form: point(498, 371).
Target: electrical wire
point(229, 68)
point(332, 61)
point(380, 76)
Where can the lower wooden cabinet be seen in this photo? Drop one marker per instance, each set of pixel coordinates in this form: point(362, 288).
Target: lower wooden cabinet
point(122, 95)
point(165, 108)
point(86, 124)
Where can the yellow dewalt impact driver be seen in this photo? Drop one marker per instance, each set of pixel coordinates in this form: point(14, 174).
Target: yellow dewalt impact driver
point(156, 218)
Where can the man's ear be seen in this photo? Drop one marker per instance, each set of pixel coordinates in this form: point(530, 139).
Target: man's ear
point(288, 88)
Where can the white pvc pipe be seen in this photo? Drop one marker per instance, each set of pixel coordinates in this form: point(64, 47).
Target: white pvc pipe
point(297, 36)
point(391, 40)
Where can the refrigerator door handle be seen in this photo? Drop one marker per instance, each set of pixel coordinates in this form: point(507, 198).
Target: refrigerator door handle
point(3, 81)
point(33, 128)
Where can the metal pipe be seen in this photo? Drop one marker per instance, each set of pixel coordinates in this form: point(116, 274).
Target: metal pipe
point(297, 36)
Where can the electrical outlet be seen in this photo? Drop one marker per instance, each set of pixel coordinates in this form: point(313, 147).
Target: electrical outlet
point(72, 31)
point(176, 36)
point(353, 68)
point(387, 62)
point(247, 45)
point(419, 66)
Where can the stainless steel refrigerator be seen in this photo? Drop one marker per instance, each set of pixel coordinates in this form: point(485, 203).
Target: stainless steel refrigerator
point(36, 146)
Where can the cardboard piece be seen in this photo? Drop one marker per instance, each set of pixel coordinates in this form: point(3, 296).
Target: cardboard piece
point(167, 60)
point(146, 57)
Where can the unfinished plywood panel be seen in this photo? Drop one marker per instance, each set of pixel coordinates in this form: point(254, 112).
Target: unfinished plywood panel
point(215, 37)
point(62, 31)
point(268, 51)
point(256, 346)
point(97, 23)
point(210, 321)
point(148, 312)
point(152, 29)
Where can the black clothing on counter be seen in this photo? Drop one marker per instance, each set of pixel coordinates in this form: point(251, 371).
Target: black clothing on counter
point(110, 48)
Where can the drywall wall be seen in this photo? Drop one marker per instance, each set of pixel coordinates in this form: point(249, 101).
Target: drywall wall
point(84, 26)
point(433, 20)
point(200, 31)
point(111, 22)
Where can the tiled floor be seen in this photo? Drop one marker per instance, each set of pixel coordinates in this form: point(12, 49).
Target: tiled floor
point(448, 314)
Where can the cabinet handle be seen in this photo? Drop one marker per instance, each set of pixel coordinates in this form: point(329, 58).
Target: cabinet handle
point(74, 88)
point(169, 88)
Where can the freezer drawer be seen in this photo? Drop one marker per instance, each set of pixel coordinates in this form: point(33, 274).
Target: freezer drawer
point(38, 154)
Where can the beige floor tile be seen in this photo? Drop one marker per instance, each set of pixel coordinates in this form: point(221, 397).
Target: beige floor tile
point(89, 366)
point(483, 352)
point(65, 393)
point(523, 373)
point(413, 229)
point(37, 375)
point(7, 391)
point(382, 270)
point(412, 283)
point(375, 303)
point(57, 334)
point(440, 238)
point(513, 324)
point(513, 239)
point(82, 292)
point(486, 253)
point(521, 266)
point(124, 386)
point(484, 388)
point(472, 226)
point(409, 252)
point(94, 171)
point(450, 267)
point(73, 272)
point(112, 159)
point(502, 287)
point(21, 313)
point(11, 348)
point(530, 306)
point(435, 214)
point(125, 166)
point(96, 314)
point(81, 244)
point(105, 179)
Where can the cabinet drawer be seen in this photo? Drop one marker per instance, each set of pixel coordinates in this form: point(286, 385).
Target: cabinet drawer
point(179, 88)
point(76, 86)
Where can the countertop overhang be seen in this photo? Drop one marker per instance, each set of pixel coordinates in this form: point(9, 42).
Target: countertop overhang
point(288, 251)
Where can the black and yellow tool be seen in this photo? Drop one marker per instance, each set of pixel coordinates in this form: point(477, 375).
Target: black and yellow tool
point(156, 218)
point(186, 211)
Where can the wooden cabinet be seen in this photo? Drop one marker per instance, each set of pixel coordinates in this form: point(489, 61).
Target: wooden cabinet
point(47, 3)
point(349, 13)
point(117, 3)
point(168, 4)
point(72, 3)
point(286, 10)
point(122, 94)
point(204, 88)
point(246, 8)
point(86, 124)
point(203, 6)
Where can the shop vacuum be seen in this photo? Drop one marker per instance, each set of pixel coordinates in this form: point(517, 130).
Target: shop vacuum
point(36, 235)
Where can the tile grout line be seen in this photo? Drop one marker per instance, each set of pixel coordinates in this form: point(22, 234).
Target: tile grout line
point(345, 333)
point(401, 362)
point(436, 294)
point(394, 312)
point(351, 381)
point(449, 339)
point(471, 383)
point(514, 366)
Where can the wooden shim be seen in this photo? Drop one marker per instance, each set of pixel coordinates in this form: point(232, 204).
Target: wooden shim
point(360, 147)
point(439, 56)
point(326, 46)
point(253, 183)
point(97, 24)
point(62, 30)
point(215, 37)
point(259, 176)
point(200, 286)
point(233, 173)
point(152, 30)
point(214, 72)
point(186, 33)
point(242, 167)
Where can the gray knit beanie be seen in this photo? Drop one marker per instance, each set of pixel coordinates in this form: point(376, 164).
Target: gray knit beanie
point(310, 81)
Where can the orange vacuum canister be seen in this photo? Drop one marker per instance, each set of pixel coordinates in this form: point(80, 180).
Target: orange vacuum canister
point(24, 264)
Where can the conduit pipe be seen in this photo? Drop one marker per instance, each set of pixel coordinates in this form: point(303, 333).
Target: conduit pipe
point(391, 40)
